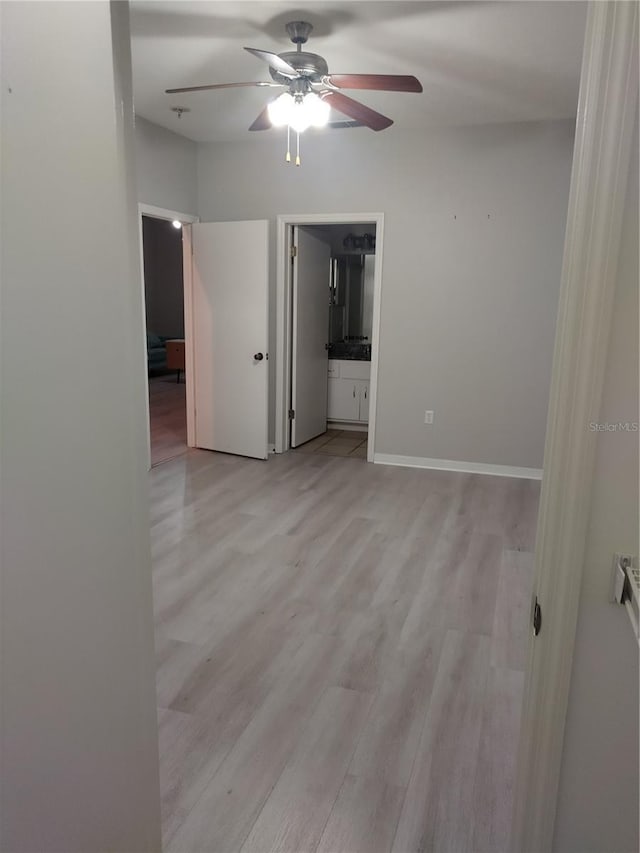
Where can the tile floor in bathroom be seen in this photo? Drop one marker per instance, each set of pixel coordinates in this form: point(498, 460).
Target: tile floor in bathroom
point(338, 442)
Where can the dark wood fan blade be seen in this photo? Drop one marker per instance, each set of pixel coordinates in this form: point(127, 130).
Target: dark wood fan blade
point(262, 122)
point(274, 61)
point(357, 110)
point(379, 82)
point(218, 86)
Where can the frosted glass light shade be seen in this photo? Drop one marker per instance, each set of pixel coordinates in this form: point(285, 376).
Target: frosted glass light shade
point(299, 118)
point(299, 113)
point(317, 109)
point(280, 110)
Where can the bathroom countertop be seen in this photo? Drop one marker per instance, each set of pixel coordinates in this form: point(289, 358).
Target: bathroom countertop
point(350, 351)
point(349, 358)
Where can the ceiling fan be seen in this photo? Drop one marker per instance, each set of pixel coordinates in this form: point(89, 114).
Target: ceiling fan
point(311, 90)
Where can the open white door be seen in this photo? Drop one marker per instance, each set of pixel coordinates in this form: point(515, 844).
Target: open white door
point(311, 265)
point(230, 333)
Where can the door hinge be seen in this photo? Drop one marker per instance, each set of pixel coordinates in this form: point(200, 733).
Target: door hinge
point(292, 414)
point(537, 617)
point(294, 252)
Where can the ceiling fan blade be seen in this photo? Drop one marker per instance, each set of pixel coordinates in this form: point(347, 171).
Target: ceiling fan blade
point(378, 82)
point(262, 122)
point(218, 86)
point(347, 123)
point(357, 110)
point(274, 61)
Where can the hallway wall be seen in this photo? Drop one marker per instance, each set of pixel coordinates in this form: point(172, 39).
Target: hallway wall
point(79, 750)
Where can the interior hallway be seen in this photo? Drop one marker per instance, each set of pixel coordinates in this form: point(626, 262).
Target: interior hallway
point(167, 417)
point(340, 653)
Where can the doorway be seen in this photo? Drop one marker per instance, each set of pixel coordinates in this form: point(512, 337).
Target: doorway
point(332, 272)
point(329, 278)
point(161, 247)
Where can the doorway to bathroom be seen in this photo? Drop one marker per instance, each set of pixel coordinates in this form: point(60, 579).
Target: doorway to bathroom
point(328, 315)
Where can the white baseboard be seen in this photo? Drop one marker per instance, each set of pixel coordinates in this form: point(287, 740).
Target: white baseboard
point(454, 465)
point(346, 426)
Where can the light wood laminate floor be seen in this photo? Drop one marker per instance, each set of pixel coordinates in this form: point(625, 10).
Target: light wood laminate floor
point(340, 653)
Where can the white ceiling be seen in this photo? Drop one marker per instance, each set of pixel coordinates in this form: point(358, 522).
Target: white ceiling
point(479, 62)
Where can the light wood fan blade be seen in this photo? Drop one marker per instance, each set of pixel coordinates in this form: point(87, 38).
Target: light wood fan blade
point(357, 110)
point(262, 122)
point(219, 86)
point(345, 124)
point(377, 82)
point(274, 61)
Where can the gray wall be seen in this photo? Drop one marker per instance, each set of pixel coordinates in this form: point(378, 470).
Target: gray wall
point(474, 231)
point(78, 721)
point(163, 284)
point(165, 168)
point(599, 796)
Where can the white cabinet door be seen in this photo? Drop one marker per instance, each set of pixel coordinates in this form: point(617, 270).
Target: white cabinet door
point(363, 398)
point(348, 391)
point(343, 400)
point(348, 398)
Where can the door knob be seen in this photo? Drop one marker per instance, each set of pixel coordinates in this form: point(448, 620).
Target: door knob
point(258, 356)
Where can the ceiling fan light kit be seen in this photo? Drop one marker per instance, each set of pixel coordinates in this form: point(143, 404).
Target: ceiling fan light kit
point(298, 111)
point(311, 91)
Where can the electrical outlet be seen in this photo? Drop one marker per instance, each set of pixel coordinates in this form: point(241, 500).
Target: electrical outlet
point(428, 416)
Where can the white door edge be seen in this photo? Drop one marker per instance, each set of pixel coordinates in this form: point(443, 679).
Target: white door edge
point(606, 113)
point(310, 327)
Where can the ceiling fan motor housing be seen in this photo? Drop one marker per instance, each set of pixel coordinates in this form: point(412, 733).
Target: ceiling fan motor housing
point(308, 65)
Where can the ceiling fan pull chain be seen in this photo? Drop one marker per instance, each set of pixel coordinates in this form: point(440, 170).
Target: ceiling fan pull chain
point(288, 157)
point(298, 149)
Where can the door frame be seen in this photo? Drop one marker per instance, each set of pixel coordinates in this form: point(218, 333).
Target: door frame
point(154, 212)
point(283, 314)
point(606, 114)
